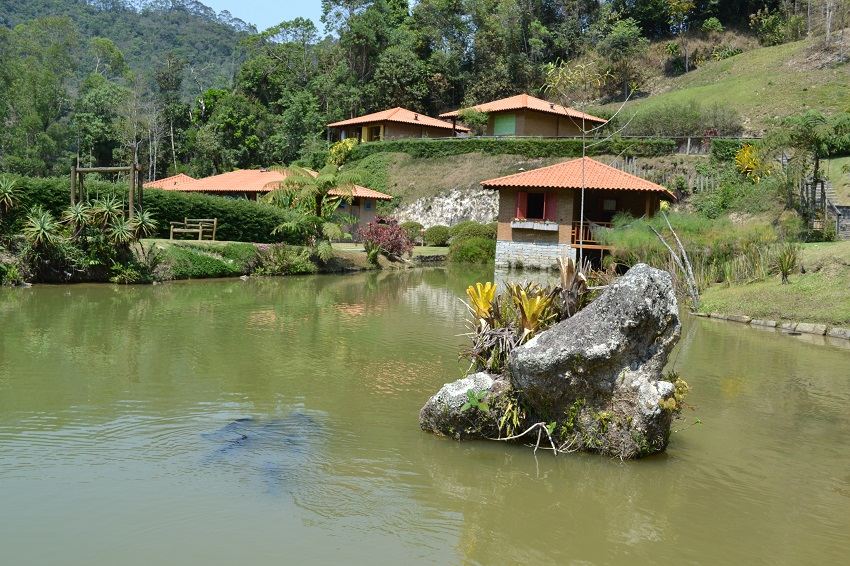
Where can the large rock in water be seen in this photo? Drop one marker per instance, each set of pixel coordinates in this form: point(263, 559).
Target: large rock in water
point(599, 374)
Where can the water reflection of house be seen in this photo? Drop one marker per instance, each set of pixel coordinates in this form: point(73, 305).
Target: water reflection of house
point(392, 124)
point(253, 183)
point(540, 216)
point(525, 115)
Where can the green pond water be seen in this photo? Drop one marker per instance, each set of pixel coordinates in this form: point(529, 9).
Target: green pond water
point(119, 442)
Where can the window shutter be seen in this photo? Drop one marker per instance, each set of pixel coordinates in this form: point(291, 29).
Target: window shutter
point(521, 204)
point(550, 207)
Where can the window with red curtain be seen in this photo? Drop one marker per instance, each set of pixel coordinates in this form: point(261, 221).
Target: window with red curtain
point(550, 211)
point(521, 204)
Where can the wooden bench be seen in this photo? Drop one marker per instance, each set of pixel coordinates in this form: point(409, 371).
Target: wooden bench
point(204, 227)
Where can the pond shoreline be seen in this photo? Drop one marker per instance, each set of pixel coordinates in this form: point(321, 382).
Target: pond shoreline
point(791, 328)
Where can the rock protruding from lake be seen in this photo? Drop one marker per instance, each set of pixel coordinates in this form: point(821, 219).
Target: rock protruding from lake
point(596, 379)
point(603, 368)
point(445, 414)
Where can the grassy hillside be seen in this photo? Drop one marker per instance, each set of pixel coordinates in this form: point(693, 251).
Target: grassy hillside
point(763, 83)
point(410, 178)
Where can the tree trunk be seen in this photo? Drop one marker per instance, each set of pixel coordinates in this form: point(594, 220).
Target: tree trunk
point(173, 152)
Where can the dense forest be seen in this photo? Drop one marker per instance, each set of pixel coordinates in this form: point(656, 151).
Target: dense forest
point(181, 88)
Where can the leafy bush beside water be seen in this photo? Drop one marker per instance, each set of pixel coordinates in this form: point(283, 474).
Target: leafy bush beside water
point(438, 235)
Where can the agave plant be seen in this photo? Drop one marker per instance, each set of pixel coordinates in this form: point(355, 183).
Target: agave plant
point(8, 193)
point(121, 231)
point(76, 217)
point(144, 225)
point(481, 299)
point(41, 229)
point(106, 210)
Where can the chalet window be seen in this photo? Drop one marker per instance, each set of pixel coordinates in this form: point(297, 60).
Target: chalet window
point(536, 206)
point(374, 133)
point(609, 205)
point(367, 204)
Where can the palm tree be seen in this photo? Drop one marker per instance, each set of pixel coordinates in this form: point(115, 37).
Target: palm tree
point(315, 198)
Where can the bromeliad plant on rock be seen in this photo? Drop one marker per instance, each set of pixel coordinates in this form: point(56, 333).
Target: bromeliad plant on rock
point(500, 322)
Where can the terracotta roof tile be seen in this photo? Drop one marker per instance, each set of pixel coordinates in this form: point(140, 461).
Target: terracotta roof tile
point(169, 182)
point(568, 175)
point(402, 115)
point(529, 102)
point(251, 181)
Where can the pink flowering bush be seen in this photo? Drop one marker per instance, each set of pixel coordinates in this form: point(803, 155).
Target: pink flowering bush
point(385, 234)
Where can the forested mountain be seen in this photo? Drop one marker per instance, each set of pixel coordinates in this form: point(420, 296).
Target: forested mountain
point(180, 88)
point(146, 31)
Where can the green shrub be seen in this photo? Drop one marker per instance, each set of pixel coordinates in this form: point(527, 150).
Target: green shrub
point(471, 229)
point(683, 119)
point(281, 259)
point(412, 229)
point(725, 149)
point(438, 235)
point(472, 250)
point(712, 25)
point(567, 147)
point(192, 262)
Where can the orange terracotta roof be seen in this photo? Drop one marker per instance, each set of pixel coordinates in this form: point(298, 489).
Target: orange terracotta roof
point(568, 175)
point(169, 182)
point(402, 115)
point(529, 102)
point(255, 181)
point(361, 192)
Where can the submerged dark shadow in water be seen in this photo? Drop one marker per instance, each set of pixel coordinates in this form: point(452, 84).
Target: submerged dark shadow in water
point(272, 453)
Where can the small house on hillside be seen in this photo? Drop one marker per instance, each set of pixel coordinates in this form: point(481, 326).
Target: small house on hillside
point(393, 124)
point(540, 216)
point(253, 183)
point(525, 115)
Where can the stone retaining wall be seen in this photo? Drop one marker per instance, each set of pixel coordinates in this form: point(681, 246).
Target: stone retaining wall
point(801, 327)
point(538, 255)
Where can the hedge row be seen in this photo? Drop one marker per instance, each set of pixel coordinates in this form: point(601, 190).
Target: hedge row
point(527, 147)
point(238, 219)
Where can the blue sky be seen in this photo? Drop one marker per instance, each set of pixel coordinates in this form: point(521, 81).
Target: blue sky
point(266, 13)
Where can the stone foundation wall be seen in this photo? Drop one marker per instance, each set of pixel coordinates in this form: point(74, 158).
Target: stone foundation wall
point(538, 255)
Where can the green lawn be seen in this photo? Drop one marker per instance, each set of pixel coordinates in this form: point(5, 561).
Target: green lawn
point(822, 294)
point(417, 251)
point(761, 84)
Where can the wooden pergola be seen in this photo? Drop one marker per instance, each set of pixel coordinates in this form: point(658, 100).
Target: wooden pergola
point(135, 194)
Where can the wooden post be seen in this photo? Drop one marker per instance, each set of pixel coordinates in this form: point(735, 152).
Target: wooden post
point(132, 195)
point(73, 185)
